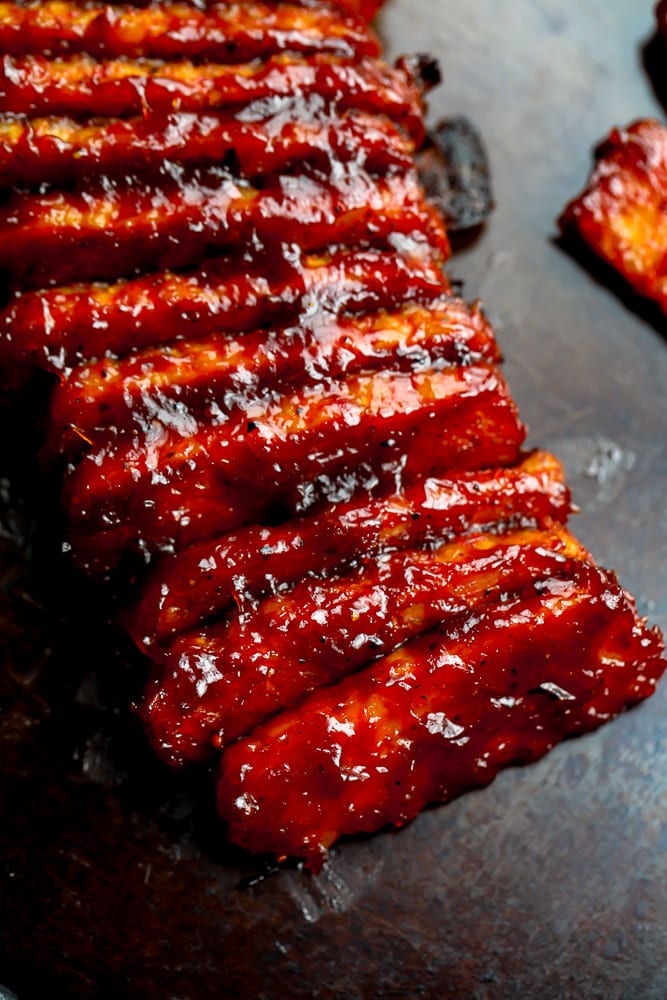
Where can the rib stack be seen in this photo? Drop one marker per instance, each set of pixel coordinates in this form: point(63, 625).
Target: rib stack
point(283, 438)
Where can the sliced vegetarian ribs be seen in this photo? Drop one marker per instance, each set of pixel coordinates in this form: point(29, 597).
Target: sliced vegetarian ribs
point(236, 32)
point(439, 715)
point(181, 479)
point(217, 683)
point(212, 377)
point(60, 150)
point(206, 579)
point(621, 214)
point(80, 86)
point(279, 434)
point(117, 227)
point(61, 327)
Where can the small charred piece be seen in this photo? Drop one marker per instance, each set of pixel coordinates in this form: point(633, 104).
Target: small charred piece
point(621, 213)
point(454, 169)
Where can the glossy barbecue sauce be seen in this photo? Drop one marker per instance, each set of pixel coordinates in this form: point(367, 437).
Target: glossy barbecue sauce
point(438, 716)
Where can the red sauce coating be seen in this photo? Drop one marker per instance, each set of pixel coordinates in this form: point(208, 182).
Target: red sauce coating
point(202, 581)
point(80, 86)
point(116, 228)
point(366, 8)
point(57, 150)
point(212, 377)
point(439, 715)
point(217, 684)
point(227, 33)
point(310, 431)
point(621, 214)
point(175, 484)
point(60, 327)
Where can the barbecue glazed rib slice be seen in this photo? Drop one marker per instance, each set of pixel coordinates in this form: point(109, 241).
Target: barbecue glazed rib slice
point(215, 376)
point(204, 580)
point(217, 684)
point(115, 228)
point(621, 214)
point(82, 87)
point(58, 150)
point(238, 32)
point(59, 328)
point(174, 485)
point(283, 440)
point(439, 715)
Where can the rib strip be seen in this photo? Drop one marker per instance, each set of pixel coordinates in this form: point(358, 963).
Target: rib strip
point(170, 488)
point(59, 150)
point(62, 327)
point(213, 377)
point(228, 33)
point(439, 715)
point(80, 86)
point(218, 684)
point(204, 580)
point(117, 228)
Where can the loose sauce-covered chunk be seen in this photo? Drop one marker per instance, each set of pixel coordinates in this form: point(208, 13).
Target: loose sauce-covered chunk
point(621, 214)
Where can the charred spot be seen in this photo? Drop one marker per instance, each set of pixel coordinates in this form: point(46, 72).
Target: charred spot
point(455, 171)
point(231, 162)
point(424, 68)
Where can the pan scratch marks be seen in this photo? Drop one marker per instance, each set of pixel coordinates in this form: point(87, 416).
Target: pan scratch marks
point(332, 891)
